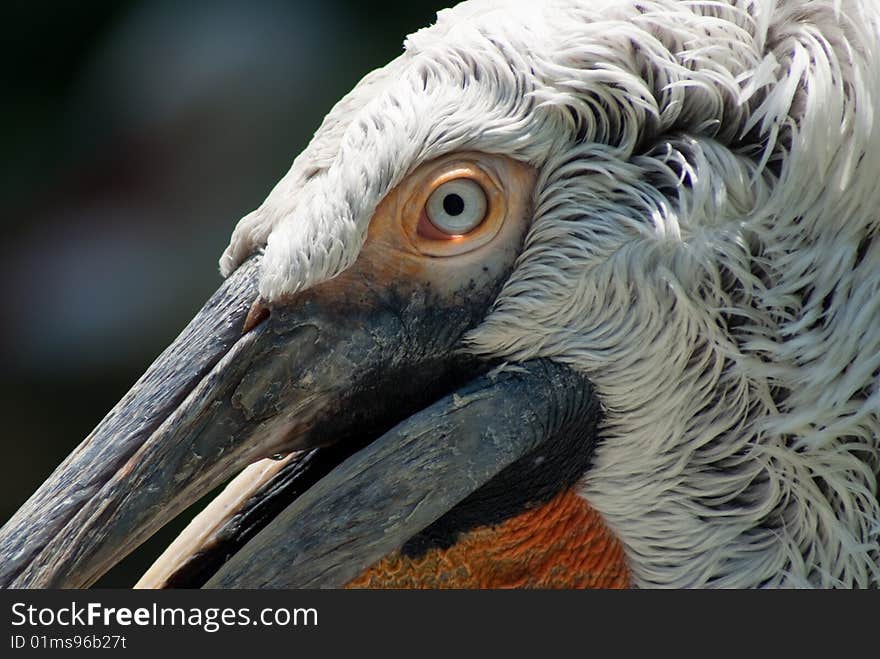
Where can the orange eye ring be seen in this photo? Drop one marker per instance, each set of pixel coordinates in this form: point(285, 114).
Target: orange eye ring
point(464, 178)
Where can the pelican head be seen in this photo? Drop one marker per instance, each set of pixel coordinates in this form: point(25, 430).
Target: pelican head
point(571, 293)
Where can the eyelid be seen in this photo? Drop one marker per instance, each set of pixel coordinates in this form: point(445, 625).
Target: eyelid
point(428, 229)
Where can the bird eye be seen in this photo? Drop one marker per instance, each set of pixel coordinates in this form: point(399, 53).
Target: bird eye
point(457, 207)
point(459, 202)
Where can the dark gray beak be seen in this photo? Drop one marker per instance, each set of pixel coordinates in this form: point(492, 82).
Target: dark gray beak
point(385, 425)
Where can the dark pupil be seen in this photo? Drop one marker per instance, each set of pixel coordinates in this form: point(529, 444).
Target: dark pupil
point(453, 204)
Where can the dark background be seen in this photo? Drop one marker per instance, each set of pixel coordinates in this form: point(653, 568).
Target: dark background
point(133, 136)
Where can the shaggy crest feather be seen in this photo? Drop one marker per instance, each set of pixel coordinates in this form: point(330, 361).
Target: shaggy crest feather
point(704, 246)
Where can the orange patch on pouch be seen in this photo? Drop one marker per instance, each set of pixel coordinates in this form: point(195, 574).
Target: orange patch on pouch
point(562, 544)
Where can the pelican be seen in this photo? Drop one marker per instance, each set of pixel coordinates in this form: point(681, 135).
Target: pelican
point(576, 293)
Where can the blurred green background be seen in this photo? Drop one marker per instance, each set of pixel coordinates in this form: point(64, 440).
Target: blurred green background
point(134, 135)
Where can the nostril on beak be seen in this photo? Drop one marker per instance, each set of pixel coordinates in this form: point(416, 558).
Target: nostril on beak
point(258, 313)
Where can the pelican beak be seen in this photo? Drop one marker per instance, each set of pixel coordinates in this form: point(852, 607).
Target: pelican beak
point(385, 425)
